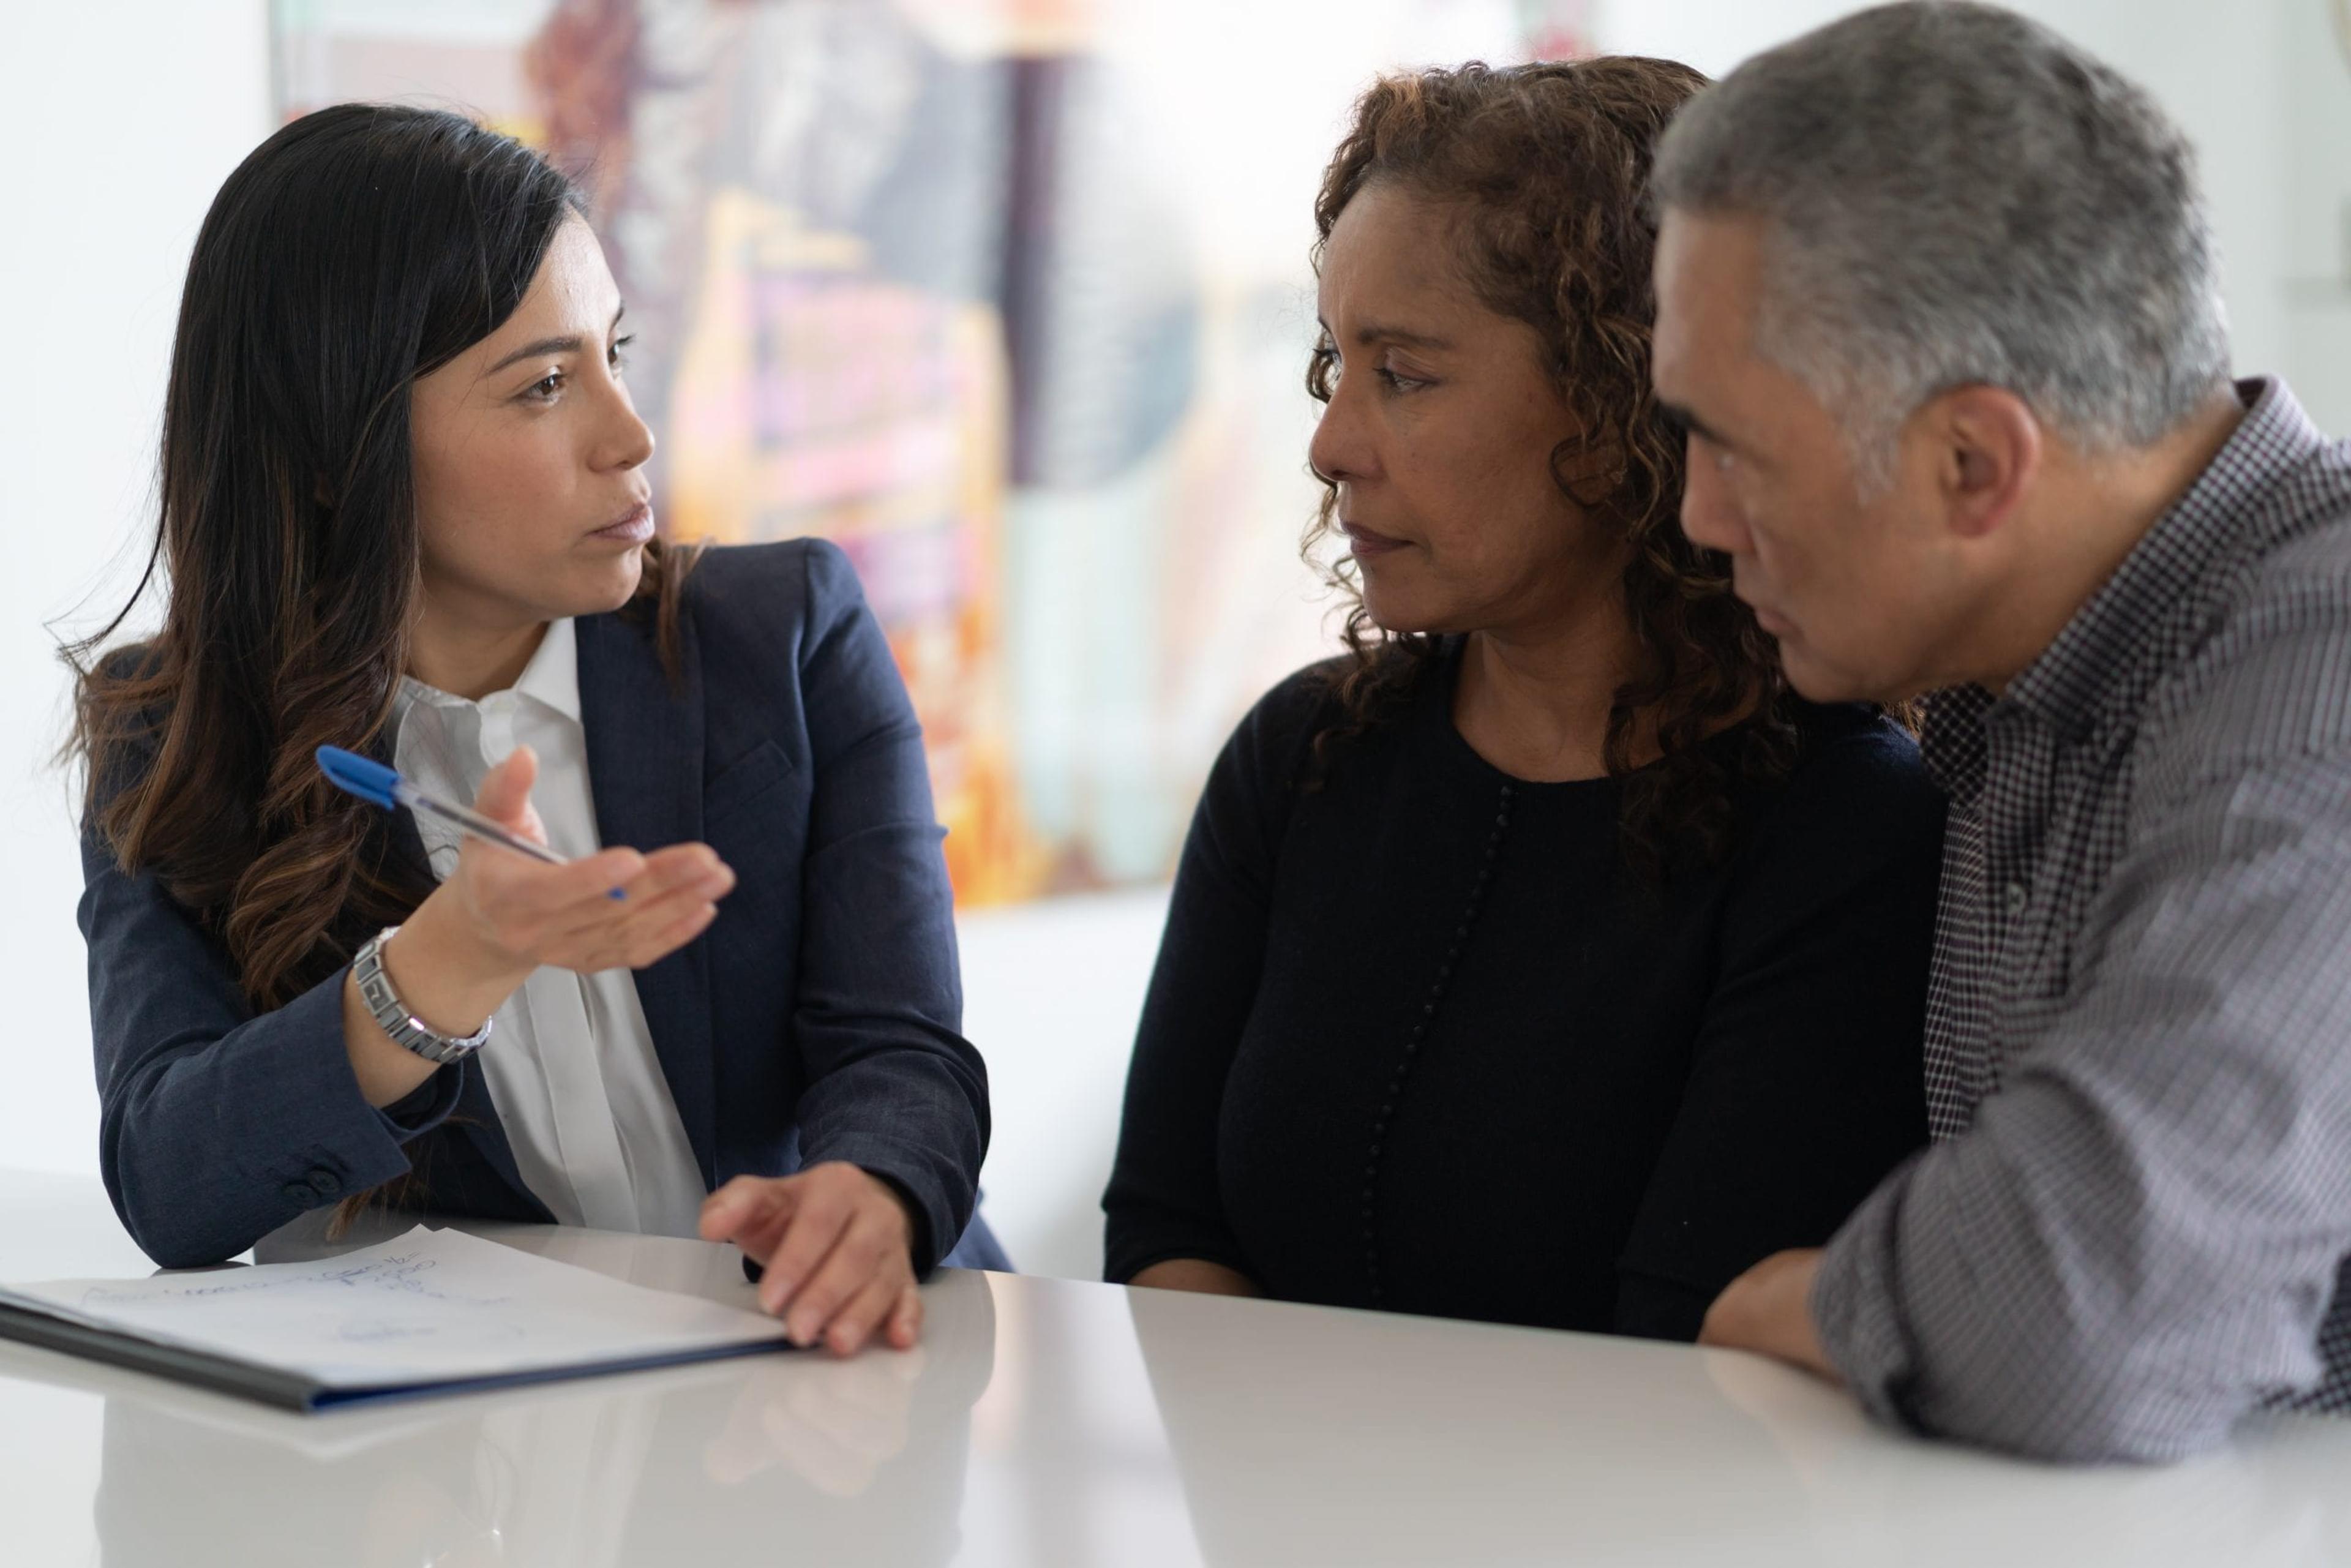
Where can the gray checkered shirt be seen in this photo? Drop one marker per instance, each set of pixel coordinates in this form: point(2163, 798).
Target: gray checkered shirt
point(2134, 1223)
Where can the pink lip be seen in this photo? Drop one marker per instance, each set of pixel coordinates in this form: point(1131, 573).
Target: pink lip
point(634, 527)
point(1367, 543)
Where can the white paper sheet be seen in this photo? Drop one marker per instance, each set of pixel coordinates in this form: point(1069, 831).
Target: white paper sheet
point(430, 1306)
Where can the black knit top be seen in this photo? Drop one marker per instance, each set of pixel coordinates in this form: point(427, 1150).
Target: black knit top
point(1421, 1038)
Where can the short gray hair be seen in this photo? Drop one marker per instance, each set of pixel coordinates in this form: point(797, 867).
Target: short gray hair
point(1954, 195)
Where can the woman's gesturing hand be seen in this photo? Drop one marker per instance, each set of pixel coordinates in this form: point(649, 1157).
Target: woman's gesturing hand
point(529, 914)
point(836, 1243)
point(500, 915)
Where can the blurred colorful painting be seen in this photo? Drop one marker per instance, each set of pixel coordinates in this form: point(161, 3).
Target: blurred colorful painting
point(1009, 298)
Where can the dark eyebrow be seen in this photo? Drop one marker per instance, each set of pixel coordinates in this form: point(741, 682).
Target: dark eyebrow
point(1373, 332)
point(567, 345)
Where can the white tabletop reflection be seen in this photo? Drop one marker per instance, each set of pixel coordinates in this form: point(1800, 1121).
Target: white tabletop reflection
point(1050, 1422)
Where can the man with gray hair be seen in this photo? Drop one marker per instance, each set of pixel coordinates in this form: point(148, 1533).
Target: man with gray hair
point(1936, 300)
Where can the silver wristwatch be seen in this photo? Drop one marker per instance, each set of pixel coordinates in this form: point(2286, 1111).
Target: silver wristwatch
point(391, 1014)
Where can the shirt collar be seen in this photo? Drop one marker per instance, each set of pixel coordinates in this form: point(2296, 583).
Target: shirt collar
point(2117, 628)
point(1951, 739)
point(551, 679)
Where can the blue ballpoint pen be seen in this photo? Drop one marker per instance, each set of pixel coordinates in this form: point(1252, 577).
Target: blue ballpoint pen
point(373, 782)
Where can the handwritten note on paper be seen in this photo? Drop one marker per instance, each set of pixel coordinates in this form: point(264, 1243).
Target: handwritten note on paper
point(430, 1306)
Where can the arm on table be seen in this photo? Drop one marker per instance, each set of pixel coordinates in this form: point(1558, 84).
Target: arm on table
point(892, 1087)
point(2136, 1242)
point(216, 1124)
point(893, 1118)
point(1196, 1274)
point(1165, 1214)
point(1767, 1310)
point(1806, 1085)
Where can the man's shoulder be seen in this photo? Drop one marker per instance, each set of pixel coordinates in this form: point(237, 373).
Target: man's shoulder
point(2269, 677)
point(2309, 567)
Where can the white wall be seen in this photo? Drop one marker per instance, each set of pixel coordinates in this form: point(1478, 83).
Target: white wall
point(119, 122)
point(2262, 87)
point(2219, 67)
point(1052, 992)
point(2317, 256)
point(123, 118)
point(124, 115)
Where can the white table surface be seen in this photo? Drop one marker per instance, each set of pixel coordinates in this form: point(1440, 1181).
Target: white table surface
point(1047, 1422)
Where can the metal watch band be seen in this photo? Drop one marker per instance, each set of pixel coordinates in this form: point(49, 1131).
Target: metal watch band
point(391, 1014)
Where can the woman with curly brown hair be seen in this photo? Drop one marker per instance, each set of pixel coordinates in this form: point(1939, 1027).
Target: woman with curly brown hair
point(1541, 959)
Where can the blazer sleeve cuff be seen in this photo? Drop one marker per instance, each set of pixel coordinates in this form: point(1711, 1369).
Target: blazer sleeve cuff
point(936, 1209)
point(427, 1105)
point(287, 1118)
point(938, 1215)
point(350, 1145)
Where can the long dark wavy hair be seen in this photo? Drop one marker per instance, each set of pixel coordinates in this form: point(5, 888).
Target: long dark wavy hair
point(356, 250)
point(1539, 170)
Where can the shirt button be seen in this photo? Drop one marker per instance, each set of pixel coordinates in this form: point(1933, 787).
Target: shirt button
point(324, 1182)
point(298, 1192)
point(2018, 893)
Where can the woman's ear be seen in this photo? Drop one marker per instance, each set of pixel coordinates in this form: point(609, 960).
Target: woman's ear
point(1588, 471)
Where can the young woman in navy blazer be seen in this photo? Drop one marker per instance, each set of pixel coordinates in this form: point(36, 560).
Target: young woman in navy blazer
point(401, 474)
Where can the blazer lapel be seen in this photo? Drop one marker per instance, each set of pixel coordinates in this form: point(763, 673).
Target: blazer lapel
point(644, 769)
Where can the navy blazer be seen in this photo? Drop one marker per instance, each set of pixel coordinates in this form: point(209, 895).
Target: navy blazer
point(817, 1018)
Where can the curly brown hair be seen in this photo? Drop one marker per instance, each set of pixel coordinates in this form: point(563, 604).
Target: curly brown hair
point(1544, 165)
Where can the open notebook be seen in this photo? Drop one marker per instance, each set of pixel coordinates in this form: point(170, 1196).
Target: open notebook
point(430, 1311)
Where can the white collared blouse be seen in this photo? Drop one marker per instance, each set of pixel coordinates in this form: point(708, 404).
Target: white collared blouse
point(570, 1065)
